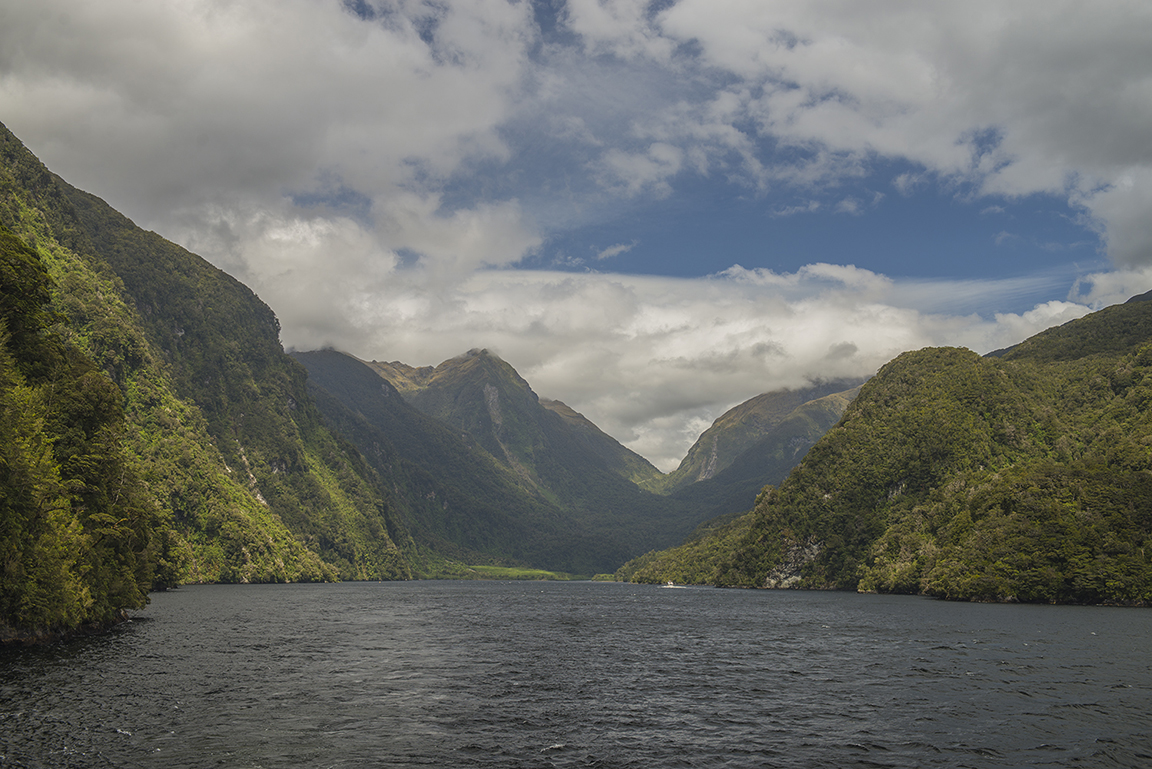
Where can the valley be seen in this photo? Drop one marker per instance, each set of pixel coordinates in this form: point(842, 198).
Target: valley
point(156, 433)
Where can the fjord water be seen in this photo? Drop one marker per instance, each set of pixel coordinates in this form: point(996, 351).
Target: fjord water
point(542, 674)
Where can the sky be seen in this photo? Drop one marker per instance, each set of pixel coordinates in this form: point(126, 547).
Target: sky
point(653, 210)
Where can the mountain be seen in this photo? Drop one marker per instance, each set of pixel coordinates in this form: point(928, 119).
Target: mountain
point(484, 396)
point(221, 345)
point(456, 498)
point(615, 456)
point(775, 448)
point(540, 464)
point(241, 469)
point(1024, 476)
point(751, 445)
point(740, 429)
point(221, 440)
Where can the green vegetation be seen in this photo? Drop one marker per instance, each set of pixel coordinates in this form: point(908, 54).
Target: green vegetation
point(767, 461)
point(80, 541)
point(1026, 477)
point(627, 463)
point(155, 431)
point(460, 502)
point(221, 345)
point(509, 573)
point(500, 475)
point(692, 563)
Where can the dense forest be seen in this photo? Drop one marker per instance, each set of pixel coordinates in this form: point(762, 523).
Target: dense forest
point(1024, 476)
point(80, 538)
point(155, 432)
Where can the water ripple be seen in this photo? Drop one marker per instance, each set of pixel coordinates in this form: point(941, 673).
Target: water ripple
point(582, 675)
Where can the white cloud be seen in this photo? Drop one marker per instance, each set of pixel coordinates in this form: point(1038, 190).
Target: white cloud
point(174, 110)
point(379, 181)
point(619, 27)
point(1124, 208)
point(1102, 289)
point(651, 359)
point(616, 250)
point(632, 173)
point(811, 207)
point(1014, 98)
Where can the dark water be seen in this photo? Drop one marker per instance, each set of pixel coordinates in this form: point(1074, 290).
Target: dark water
point(485, 674)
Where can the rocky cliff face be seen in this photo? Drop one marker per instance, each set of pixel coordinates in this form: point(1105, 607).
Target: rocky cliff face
point(788, 572)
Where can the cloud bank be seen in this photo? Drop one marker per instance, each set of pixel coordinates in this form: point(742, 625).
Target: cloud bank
point(384, 172)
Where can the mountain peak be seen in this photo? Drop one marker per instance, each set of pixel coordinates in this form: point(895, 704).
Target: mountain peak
point(477, 366)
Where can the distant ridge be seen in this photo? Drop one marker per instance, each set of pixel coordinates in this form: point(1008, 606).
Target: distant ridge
point(553, 455)
point(742, 427)
point(1145, 297)
point(770, 458)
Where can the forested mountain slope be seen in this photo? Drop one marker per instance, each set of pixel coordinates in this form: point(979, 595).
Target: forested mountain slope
point(501, 451)
point(754, 443)
point(571, 463)
point(615, 456)
point(545, 442)
point(221, 345)
point(1025, 477)
point(218, 423)
point(80, 538)
point(776, 449)
point(459, 500)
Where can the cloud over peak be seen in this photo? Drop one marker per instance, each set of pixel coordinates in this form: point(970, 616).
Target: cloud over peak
point(391, 175)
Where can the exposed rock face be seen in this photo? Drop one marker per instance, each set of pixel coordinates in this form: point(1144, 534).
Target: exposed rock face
point(709, 468)
point(786, 574)
point(492, 400)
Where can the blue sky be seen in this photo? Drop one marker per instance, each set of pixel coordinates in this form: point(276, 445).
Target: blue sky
point(653, 210)
point(704, 227)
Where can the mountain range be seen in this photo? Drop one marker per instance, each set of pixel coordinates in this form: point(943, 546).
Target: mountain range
point(511, 474)
point(207, 454)
point(153, 432)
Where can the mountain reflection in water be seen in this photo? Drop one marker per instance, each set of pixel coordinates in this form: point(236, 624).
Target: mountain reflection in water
point(542, 674)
